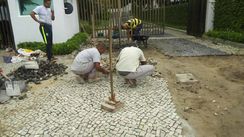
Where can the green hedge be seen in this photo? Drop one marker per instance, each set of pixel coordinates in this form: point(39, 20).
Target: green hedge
point(60, 48)
point(227, 35)
point(177, 15)
point(87, 26)
point(229, 20)
point(229, 15)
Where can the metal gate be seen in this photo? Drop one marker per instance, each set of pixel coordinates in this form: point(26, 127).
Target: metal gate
point(6, 33)
point(101, 13)
point(196, 17)
point(177, 13)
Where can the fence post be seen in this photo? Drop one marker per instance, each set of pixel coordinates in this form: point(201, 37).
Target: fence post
point(164, 17)
point(210, 15)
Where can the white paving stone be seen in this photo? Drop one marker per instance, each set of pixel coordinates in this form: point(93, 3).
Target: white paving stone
point(66, 108)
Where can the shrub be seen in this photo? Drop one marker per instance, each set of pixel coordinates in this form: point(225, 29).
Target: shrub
point(60, 48)
point(227, 35)
point(229, 15)
point(229, 20)
point(87, 27)
point(177, 15)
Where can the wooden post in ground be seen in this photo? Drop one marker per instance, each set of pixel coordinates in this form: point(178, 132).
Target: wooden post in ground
point(112, 98)
point(93, 20)
point(111, 105)
point(119, 10)
point(164, 17)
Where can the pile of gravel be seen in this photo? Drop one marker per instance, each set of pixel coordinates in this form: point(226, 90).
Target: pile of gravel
point(45, 71)
point(186, 48)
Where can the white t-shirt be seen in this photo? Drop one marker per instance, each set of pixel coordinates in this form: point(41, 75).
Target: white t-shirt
point(129, 59)
point(85, 56)
point(44, 14)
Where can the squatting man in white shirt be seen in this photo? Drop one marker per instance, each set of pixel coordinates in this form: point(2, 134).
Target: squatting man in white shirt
point(131, 65)
point(87, 62)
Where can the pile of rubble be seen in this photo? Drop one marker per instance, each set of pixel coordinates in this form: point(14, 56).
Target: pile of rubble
point(45, 71)
point(105, 63)
point(154, 62)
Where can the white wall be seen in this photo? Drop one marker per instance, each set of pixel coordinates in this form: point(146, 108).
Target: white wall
point(27, 30)
point(209, 25)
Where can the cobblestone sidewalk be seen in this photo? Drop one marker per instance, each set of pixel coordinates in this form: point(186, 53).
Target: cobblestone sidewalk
point(69, 109)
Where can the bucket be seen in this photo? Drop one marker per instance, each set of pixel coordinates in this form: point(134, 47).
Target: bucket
point(3, 96)
point(13, 88)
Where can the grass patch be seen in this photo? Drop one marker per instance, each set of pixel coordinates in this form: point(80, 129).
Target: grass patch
point(60, 48)
point(227, 35)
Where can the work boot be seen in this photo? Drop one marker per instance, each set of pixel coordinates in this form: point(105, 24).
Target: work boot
point(132, 83)
point(54, 58)
point(91, 80)
point(80, 80)
point(127, 81)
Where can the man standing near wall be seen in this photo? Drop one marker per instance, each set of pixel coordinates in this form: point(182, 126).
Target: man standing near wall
point(46, 15)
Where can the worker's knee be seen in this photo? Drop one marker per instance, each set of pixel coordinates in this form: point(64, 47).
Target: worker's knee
point(148, 68)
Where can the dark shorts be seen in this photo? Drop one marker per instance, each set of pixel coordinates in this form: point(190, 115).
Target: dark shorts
point(123, 73)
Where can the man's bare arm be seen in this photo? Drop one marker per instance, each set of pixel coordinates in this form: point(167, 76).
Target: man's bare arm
point(128, 34)
point(33, 16)
point(100, 69)
point(53, 17)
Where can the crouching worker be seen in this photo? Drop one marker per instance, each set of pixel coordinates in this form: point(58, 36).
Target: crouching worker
point(133, 28)
point(87, 62)
point(131, 65)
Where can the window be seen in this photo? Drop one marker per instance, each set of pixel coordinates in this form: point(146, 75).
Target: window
point(26, 6)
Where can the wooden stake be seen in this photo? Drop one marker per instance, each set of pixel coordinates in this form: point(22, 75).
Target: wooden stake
point(112, 98)
point(111, 105)
point(93, 20)
point(164, 17)
point(93, 26)
point(119, 10)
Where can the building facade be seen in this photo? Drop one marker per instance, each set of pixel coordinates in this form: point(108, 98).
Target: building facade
point(25, 29)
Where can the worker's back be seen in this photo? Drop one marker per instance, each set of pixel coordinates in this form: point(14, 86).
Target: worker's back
point(129, 59)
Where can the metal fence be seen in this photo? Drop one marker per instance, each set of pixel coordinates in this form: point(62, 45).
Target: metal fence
point(177, 13)
point(6, 33)
point(102, 13)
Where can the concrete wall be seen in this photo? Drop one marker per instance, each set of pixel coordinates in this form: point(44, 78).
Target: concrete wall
point(209, 25)
point(27, 30)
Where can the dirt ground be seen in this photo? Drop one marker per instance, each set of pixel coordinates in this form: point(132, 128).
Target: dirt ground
point(214, 106)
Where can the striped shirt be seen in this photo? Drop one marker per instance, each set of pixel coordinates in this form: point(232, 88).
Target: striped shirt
point(133, 23)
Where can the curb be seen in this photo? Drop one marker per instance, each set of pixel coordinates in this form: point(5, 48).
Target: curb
point(222, 41)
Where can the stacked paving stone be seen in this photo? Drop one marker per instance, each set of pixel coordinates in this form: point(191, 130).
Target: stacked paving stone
point(70, 109)
point(45, 71)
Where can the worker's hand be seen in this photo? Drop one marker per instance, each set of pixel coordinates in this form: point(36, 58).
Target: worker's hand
point(52, 15)
point(1, 71)
point(41, 23)
point(106, 72)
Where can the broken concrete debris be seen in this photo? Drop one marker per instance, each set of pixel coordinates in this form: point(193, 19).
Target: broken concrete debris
point(187, 109)
point(186, 78)
point(106, 64)
point(152, 61)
